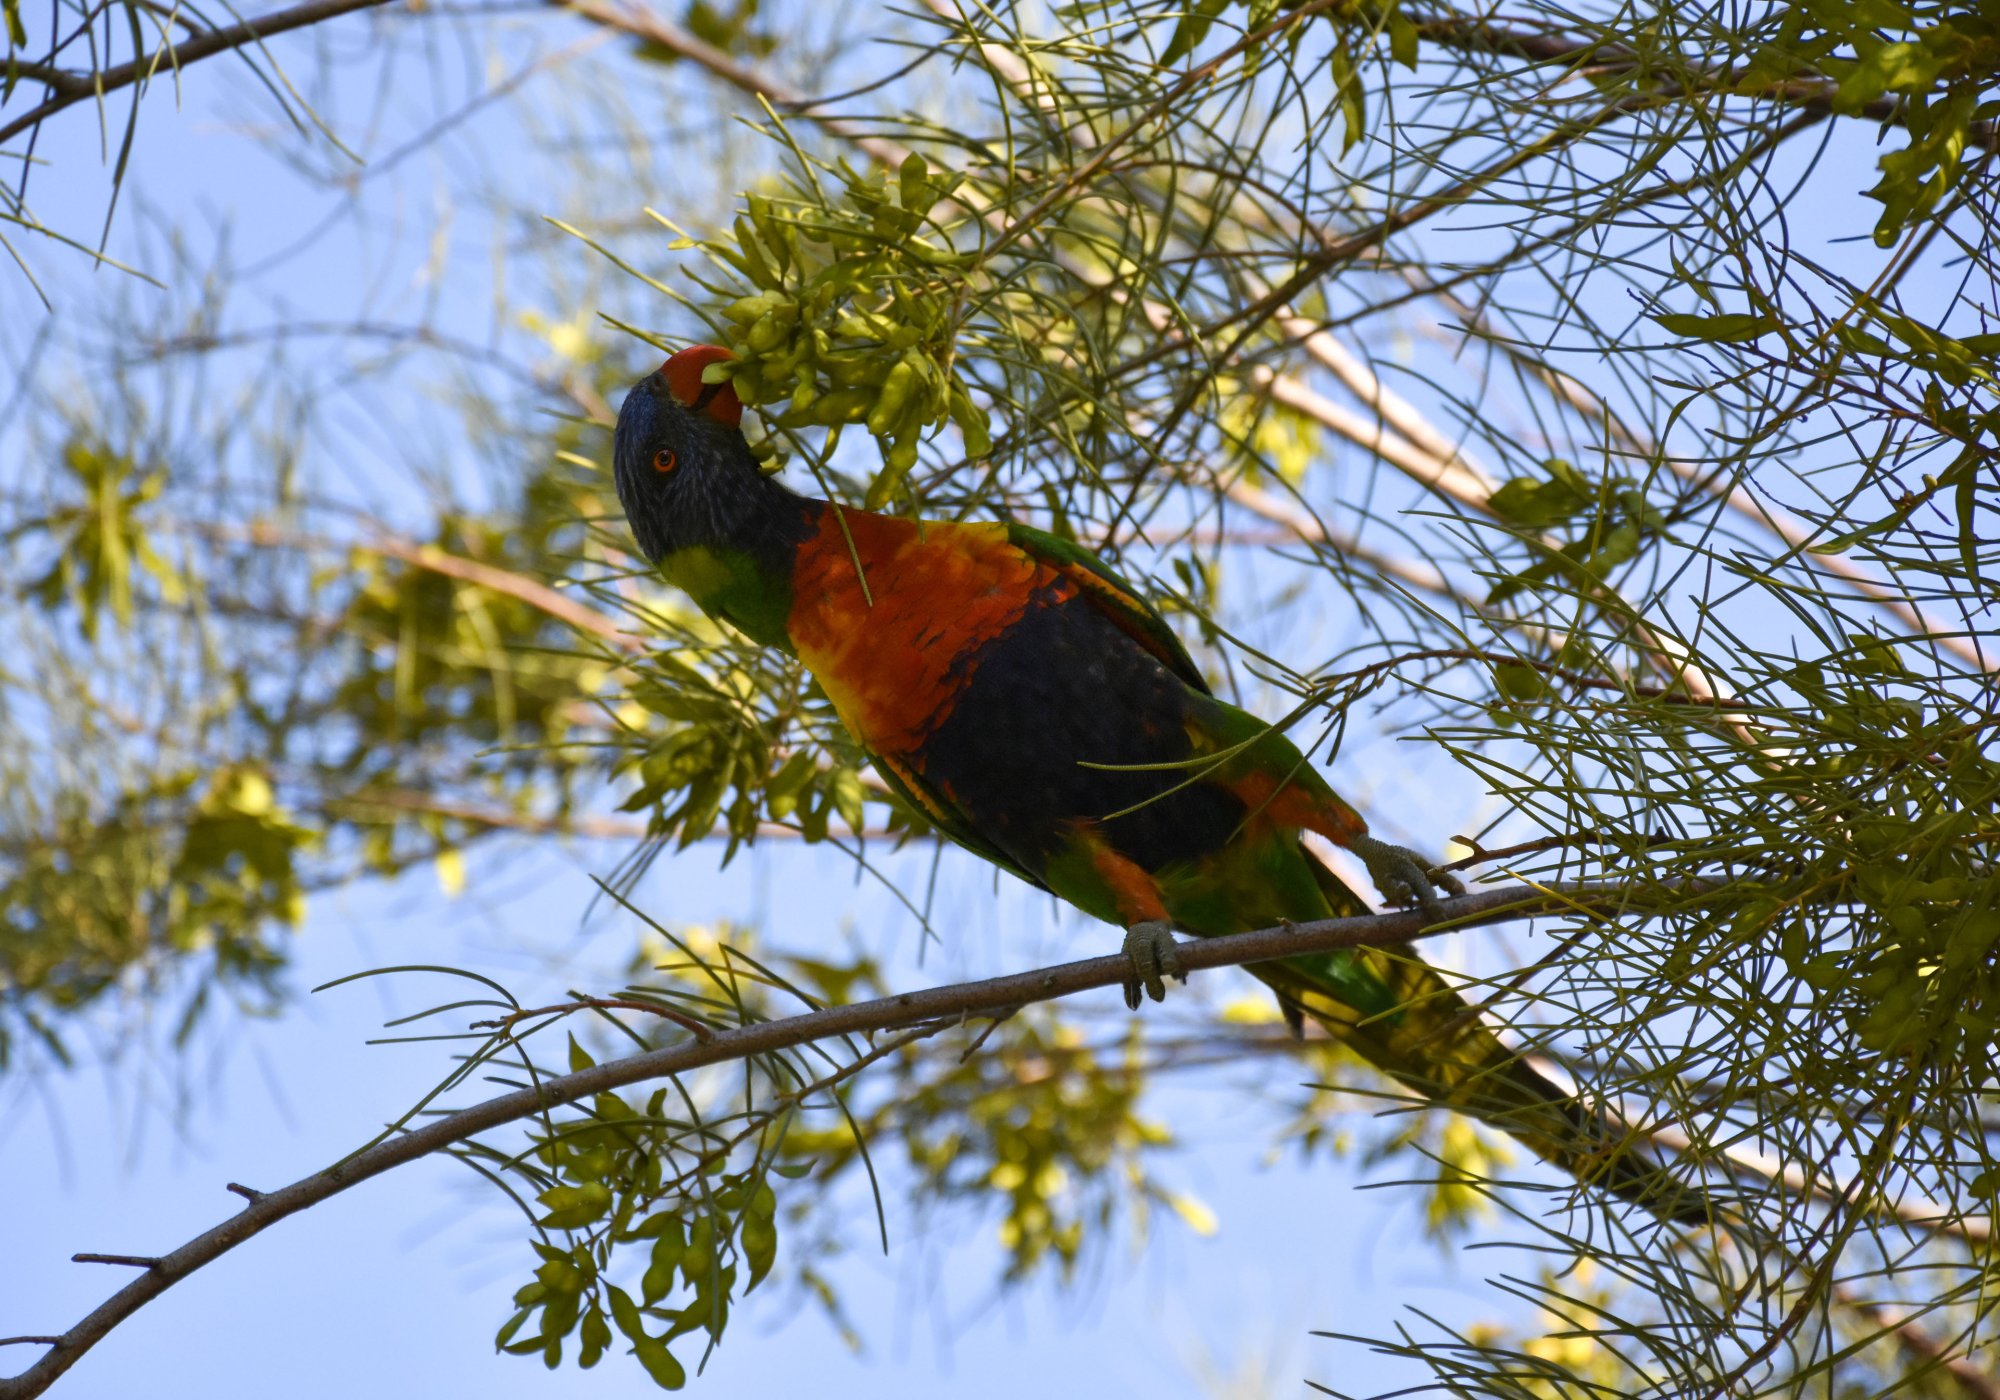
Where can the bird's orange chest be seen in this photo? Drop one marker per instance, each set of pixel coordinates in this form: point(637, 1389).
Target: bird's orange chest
point(894, 657)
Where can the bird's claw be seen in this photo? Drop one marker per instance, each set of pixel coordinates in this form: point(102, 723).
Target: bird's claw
point(1404, 877)
point(1150, 949)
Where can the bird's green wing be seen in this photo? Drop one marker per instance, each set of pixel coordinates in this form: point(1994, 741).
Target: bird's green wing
point(1113, 596)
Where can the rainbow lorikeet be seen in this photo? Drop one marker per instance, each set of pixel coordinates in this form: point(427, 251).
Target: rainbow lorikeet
point(1031, 705)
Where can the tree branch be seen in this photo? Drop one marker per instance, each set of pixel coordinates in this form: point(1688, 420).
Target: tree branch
point(493, 578)
point(73, 88)
point(895, 1012)
point(1810, 91)
point(1927, 1351)
point(1933, 1217)
point(588, 827)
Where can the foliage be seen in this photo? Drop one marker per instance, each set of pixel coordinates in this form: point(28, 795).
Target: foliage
point(1537, 373)
point(678, 1191)
point(254, 784)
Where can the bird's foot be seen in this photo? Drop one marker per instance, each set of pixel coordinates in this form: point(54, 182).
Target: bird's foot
point(1150, 949)
point(1405, 877)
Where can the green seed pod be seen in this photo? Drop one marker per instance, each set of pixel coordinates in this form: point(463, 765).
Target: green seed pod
point(971, 420)
point(914, 183)
point(901, 383)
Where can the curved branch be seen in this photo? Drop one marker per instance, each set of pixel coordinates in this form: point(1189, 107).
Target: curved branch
point(899, 1011)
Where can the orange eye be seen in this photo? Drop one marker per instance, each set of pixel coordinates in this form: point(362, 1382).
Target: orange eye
point(665, 461)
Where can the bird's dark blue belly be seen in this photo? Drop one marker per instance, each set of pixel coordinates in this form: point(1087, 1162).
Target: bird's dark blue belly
point(1061, 688)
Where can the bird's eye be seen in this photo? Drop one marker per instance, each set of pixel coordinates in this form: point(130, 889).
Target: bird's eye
point(665, 461)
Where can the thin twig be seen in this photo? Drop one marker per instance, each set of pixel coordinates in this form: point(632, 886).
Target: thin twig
point(135, 1261)
point(505, 1024)
point(993, 1023)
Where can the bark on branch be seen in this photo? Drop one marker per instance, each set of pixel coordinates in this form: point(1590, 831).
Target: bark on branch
point(900, 1011)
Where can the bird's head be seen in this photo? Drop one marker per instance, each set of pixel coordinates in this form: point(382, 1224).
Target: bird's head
point(685, 475)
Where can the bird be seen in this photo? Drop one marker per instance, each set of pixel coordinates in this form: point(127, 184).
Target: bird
point(1034, 707)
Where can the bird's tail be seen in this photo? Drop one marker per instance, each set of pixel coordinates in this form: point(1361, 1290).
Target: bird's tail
point(1406, 1020)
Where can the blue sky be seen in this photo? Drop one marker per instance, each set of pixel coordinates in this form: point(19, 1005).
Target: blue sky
point(397, 1286)
point(402, 1281)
